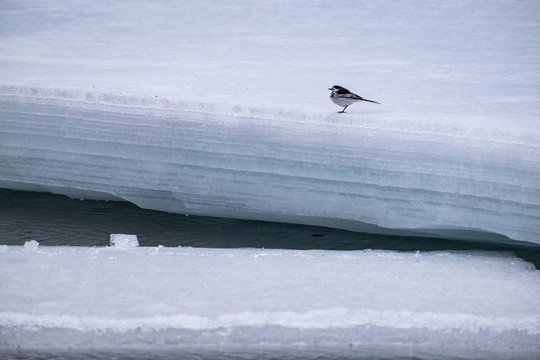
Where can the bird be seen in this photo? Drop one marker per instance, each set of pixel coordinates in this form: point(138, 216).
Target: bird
point(343, 97)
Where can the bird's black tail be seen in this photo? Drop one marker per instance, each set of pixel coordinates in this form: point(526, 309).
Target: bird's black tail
point(371, 101)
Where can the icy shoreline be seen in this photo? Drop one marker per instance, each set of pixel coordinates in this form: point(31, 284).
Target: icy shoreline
point(368, 174)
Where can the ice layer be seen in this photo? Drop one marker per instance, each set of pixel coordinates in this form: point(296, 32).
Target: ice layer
point(222, 108)
point(375, 175)
point(463, 304)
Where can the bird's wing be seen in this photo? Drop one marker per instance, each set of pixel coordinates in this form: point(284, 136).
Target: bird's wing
point(342, 90)
point(352, 96)
point(358, 98)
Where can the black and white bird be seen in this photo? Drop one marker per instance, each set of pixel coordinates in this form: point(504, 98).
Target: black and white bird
point(343, 97)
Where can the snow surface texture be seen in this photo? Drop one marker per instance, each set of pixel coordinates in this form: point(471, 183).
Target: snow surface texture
point(462, 304)
point(221, 108)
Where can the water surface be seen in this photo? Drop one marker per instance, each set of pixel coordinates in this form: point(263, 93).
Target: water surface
point(58, 220)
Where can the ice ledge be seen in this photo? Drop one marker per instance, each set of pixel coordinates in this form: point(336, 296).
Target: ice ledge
point(377, 174)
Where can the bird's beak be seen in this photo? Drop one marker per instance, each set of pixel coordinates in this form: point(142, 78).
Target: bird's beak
point(329, 88)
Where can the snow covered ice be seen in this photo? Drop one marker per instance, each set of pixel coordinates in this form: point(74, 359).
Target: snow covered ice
point(179, 111)
point(105, 297)
point(318, 170)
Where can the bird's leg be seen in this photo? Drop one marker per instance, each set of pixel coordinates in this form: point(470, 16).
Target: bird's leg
point(342, 111)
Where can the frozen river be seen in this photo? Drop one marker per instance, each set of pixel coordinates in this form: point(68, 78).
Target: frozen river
point(408, 228)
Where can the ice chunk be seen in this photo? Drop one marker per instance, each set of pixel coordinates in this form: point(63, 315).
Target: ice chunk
point(124, 241)
point(31, 245)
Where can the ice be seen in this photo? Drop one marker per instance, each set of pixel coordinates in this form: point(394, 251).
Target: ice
point(124, 241)
point(222, 109)
point(31, 245)
point(102, 297)
point(371, 175)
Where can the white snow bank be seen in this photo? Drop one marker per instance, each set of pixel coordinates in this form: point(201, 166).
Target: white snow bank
point(222, 108)
point(372, 175)
point(60, 297)
point(471, 62)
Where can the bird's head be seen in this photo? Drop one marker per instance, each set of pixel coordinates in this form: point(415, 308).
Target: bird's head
point(337, 88)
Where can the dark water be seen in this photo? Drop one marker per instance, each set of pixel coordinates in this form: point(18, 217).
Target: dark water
point(236, 354)
point(57, 220)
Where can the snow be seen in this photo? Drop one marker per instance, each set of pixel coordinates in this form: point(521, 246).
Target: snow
point(222, 109)
point(102, 297)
